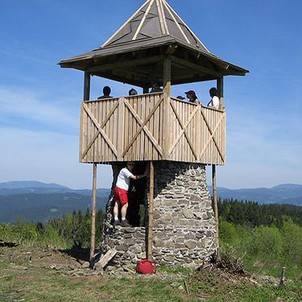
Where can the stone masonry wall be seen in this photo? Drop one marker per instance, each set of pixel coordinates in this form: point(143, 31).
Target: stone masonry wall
point(184, 222)
point(184, 227)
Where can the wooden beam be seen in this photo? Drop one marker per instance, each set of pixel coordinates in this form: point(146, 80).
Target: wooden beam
point(167, 77)
point(100, 265)
point(215, 206)
point(220, 92)
point(93, 215)
point(150, 211)
point(86, 95)
point(194, 66)
point(125, 63)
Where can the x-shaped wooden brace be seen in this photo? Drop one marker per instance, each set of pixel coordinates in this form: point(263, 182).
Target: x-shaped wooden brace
point(184, 129)
point(212, 133)
point(100, 129)
point(143, 126)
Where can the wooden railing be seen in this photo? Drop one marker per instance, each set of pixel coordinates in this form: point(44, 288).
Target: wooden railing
point(146, 127)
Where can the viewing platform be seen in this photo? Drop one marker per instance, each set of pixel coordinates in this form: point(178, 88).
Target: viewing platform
point(151, 127)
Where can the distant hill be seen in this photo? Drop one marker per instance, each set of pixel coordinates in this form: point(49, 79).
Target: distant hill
point(38, 201)
point(281, 194)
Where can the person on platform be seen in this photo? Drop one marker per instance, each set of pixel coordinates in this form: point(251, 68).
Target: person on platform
point(156, 88)
point(106, 93)
point(121, 193)
point(132, 91)
point(192, 97)
point(215, 101)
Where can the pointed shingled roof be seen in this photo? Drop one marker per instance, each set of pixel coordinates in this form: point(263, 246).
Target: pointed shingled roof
point(155, 19)
point(136, 52)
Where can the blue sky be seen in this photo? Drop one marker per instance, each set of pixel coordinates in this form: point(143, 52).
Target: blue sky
point(39, 102)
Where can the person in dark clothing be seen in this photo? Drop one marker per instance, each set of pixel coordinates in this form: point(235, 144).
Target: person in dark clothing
point(132, 92)
point(106, 93)
point(192, 97)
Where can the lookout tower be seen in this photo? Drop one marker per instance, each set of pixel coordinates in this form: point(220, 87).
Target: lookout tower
point(175, 138)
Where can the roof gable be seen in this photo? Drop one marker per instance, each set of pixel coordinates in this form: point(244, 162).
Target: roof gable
point(155, 19)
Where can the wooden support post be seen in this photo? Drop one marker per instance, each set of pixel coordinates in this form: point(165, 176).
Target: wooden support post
point(220, 92)
point(93, 215)
point(150, 211)
point(282, 277)
point(86, 96)
point(167, 69)
point(215, 206)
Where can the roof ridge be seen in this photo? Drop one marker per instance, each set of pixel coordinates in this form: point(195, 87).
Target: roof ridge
point(153, 19)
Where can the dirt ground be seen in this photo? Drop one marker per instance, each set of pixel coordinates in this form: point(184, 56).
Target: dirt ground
point(42, 274)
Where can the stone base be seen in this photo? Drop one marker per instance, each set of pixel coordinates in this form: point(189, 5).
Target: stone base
point(184, 226)
point(129, 243)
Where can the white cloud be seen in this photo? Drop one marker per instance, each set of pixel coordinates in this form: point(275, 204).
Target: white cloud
point(22, 103)
point(45, 156)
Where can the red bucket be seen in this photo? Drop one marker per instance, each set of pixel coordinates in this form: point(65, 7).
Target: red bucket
point(146, 267)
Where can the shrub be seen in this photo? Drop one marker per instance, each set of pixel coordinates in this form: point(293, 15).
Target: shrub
point(266, 242)
point(292, 243)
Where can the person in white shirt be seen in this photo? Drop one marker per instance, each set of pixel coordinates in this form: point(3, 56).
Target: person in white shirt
point(215, 101)
point(121, 193)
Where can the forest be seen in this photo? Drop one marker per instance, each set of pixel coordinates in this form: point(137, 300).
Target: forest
point(264, 237)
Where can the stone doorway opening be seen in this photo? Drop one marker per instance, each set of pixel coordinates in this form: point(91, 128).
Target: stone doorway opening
point(137, 207)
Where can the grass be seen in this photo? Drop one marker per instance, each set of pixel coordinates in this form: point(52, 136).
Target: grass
point(28, 282)
point(262, 249)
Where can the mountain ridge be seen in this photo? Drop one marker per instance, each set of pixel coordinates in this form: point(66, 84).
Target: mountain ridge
point(38, 201)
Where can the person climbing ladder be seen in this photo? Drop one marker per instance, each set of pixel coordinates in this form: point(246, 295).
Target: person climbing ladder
point(121, 193)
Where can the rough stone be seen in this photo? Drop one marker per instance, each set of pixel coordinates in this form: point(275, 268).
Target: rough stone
point(184, 226)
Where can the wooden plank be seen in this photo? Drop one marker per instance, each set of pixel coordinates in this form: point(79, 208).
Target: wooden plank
point(211, 138)
point(101, 264)
point(93, 133)
point(143, 126)
point(86, 96)
point(103, 144)
point(143, 149)
point(81, 134)
point(150, 211)
point(104, 123)
point(211, 133)
point(120, 133)
point(102, 132)
point(184, 129)
point(149, 143)
point(167, 68)
point(93, 214)
point(126, 130)
point(156, 126)
point(215, 205)
point(139, 112)
point(89, 130)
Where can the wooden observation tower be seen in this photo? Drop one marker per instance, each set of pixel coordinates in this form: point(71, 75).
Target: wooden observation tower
point(175, 137)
